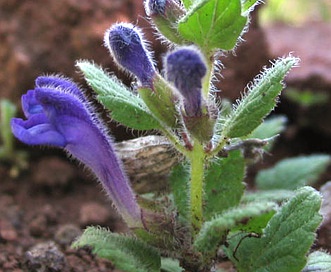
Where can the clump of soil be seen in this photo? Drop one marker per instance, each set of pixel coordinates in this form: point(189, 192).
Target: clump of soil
point(44, 210)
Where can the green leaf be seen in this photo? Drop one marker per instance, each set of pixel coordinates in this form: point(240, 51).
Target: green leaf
point(269, 195)
point(259, 101)
point(127, 253)
point(286, 240)
point(188, 3)
point(257, 224)
point(125, 107)
point(170, 265)
point(293, 173)
point(160, 101)
point(214, 232)
point(224, 184)
point(248, 5)
point(318, 261)
point(307, 98)
point(179, 180)
point(213, 24)
point(270, 127)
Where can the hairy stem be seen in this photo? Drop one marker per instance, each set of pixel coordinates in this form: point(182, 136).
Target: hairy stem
point(197, 162)
point(175, 141)
point(206, 83)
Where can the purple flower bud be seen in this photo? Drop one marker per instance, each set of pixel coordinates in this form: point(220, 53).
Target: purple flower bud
point(185, 68)
point(165, 15)
point(155, 7)
point(126, 44)
point(170, 9)
point(59, 115)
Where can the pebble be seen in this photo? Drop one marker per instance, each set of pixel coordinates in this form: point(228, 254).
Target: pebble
point(66, 234)
point(326, 203)
point(7, 233)
point(45, 257)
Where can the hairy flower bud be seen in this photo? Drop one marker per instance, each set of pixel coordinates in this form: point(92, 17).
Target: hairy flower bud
point(185, 68)
point(126, 44)
point(128, 48)
point(165, 15)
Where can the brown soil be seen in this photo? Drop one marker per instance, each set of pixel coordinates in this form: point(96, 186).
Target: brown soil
point(48, 205)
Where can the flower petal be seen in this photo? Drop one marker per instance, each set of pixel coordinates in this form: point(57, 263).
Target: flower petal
point(56, 103)
point(60, 83)
point(30, 105)
point(35, 131)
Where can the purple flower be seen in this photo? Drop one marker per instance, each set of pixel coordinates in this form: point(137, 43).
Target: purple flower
point(126, 44)
point(59, 115)
point(185, 68)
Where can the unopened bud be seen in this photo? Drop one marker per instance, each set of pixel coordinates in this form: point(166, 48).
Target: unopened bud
point(165, 15)
point(185, 68)
point(128, 48)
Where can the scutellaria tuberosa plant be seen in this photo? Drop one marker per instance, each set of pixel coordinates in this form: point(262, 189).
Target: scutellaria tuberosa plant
point(207, 216)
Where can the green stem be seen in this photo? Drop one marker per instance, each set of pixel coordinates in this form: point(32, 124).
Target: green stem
point(197, 162)
point(218, 147)
point(206, 83)
point(7, 112)
point(175, 141)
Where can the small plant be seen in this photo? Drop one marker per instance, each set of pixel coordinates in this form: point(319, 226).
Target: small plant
point(207, 216)
point(8, 154)
point(7, 112)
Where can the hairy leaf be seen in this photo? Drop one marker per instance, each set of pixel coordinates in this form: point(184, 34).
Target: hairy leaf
point(269, 195)
point(286, 239)
point(170, 265)
point(224, 184)
point(255, 225)
point(270, 127)
point(259, 101)
point(214, 232)
point(293, 173)
point(188, 3)
point(248, 5)
point(127, 253)
point(318, 261)
point(213, 24)
point(179, 182)
point(125, 107)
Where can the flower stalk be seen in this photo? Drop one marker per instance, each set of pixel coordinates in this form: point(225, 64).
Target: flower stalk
point(197, 163)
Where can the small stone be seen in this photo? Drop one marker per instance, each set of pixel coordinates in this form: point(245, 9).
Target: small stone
point(66, 234)
point(326, 203)
point(45, 257)
point(324, 238)
point(93, 213)
point(7, 232)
